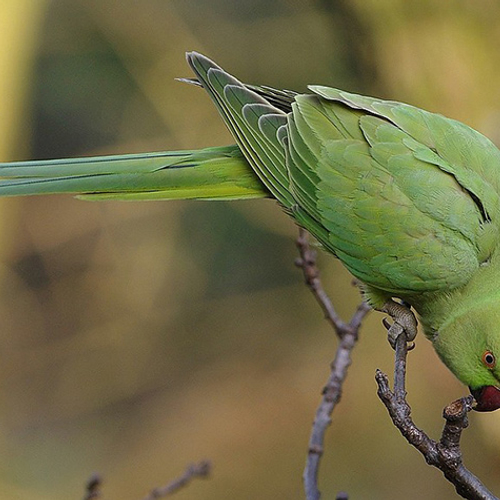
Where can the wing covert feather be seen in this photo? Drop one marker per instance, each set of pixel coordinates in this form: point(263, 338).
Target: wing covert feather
point(397, 220)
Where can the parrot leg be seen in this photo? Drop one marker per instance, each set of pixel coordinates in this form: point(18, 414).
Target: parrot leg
point(404, 321)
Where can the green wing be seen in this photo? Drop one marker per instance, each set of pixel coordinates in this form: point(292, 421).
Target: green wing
point(409, 198)
point(406, 199)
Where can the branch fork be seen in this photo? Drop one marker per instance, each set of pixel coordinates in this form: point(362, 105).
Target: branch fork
point(444, 454)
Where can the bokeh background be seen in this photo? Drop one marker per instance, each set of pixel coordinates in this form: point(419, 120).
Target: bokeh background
point(136, 338)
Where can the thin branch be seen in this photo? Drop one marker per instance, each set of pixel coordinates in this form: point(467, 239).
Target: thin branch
point(445, 454)
point(307, 262)
point(348, 335)
point(199, 470)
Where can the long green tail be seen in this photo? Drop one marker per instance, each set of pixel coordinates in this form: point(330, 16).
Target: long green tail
point(214, 173)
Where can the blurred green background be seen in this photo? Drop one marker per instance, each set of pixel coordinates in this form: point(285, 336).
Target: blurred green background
point(138, 337)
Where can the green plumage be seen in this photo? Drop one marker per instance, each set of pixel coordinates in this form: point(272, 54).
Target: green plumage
point(211, 173)
point(408, 200)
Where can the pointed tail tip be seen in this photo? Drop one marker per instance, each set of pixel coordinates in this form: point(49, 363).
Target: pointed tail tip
point(192, 55)
point(194, 59)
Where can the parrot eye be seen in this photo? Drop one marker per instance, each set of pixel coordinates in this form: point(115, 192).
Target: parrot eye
point(489, 359)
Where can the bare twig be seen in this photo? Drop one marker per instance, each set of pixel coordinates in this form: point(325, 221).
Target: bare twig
point(201, 470)
point(445, 454)
point(307, 262)
point(92, 488)
point(348, 335)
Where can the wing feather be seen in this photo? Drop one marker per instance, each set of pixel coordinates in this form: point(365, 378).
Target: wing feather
point(406, 199)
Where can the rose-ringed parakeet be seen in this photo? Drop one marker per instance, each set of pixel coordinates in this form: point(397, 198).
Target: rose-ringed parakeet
point(408, 200)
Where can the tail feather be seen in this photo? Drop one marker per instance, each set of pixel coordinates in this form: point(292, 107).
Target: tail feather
point(212, 173)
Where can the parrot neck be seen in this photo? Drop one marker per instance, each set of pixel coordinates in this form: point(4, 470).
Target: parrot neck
point(438, 309)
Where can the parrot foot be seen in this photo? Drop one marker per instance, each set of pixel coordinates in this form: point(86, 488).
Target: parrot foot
point(404, 322)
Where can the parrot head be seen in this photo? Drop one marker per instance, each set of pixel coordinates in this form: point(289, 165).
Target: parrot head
point(469, 344)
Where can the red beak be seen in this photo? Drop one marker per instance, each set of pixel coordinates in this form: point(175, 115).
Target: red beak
point(487, 397)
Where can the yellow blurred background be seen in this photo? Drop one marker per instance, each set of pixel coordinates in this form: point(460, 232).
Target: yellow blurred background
point(138, 337)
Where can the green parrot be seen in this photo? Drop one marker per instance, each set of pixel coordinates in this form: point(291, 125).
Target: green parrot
point(408, 200)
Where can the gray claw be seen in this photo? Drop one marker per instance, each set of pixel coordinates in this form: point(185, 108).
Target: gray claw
point(404, 322)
